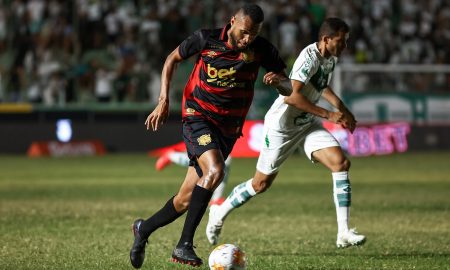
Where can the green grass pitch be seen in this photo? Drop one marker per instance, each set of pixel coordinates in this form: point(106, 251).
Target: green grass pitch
point(75, 213)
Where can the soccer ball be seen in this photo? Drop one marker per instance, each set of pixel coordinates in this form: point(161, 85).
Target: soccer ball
point(227, 257)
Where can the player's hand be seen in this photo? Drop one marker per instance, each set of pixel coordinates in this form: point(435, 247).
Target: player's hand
point(348, 121)
point(335, 117)
point(159, 115)
point(272, 78)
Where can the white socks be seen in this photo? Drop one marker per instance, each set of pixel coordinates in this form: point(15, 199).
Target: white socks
point(240, 195)
point(342, 193)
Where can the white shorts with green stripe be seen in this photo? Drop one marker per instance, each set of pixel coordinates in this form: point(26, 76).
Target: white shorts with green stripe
point(279, 145)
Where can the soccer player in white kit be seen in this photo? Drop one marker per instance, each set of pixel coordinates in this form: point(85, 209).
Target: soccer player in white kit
point(293, 122)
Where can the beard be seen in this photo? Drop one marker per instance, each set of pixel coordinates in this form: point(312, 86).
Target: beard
point(234, 43)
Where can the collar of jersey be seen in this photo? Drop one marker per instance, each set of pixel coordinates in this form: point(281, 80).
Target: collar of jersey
point(223, 35)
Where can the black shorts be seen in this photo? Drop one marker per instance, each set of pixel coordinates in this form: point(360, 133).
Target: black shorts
point(200, 135)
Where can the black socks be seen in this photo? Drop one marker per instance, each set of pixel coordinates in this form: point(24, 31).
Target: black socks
point(199, 202)
point(164, 216)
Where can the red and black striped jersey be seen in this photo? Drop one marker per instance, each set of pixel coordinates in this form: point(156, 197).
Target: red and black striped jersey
point(221, 85)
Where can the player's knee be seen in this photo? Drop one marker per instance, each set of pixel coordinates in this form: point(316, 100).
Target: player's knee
point(214, 176)
point(341, 165)
point(345, 166)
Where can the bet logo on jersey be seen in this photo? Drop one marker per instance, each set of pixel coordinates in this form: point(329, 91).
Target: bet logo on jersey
point(222, 74)
point(223, 77)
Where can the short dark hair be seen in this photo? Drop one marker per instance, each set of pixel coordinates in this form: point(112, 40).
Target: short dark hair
point(254, 12)
point(332, 26)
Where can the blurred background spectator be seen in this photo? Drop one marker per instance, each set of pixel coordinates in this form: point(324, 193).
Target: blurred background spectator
point(56, 52)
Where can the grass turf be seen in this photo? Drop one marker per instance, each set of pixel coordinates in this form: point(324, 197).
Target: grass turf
point(75, 213)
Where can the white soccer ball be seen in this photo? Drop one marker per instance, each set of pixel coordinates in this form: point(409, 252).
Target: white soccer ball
point(227, 257)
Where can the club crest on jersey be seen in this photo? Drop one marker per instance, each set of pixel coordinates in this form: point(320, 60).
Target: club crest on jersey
point(248, 56)
point(204, 139)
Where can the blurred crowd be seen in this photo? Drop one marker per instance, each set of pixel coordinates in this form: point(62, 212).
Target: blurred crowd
point(81, 51)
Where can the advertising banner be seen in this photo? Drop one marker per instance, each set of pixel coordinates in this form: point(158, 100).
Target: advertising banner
point(378, 139)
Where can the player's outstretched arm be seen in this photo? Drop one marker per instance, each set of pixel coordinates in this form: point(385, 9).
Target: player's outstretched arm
point(280, 81)
point(159, 115)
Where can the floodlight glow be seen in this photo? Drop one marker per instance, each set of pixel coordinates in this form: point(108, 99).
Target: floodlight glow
point(64, 130)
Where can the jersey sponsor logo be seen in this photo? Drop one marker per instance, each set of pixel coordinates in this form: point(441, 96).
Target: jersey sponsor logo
point(223, 77)
point(215, 74)
point(230, 84)
point(204, 139)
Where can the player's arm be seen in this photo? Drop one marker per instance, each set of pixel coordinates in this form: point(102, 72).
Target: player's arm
point(299, 101)
point(348, 119)
point(276, 75)
point(280, 81)
point(161, 112)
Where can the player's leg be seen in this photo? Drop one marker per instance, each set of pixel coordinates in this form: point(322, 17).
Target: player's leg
point(182, 159)
point(218, 192)
point(179, 158)
point(212, 165)
point(277, 148)
point(321, 146)
point(173, 209)
point(207, 149)
point(238, 196)
point(333, 159)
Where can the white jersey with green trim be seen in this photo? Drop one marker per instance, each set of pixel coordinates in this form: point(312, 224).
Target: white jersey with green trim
point(315, 72)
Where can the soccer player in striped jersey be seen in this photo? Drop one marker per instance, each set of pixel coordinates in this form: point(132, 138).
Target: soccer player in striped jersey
point(294, 122)
point(216, 100)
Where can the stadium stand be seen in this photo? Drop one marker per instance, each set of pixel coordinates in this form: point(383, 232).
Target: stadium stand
point(57, 52)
